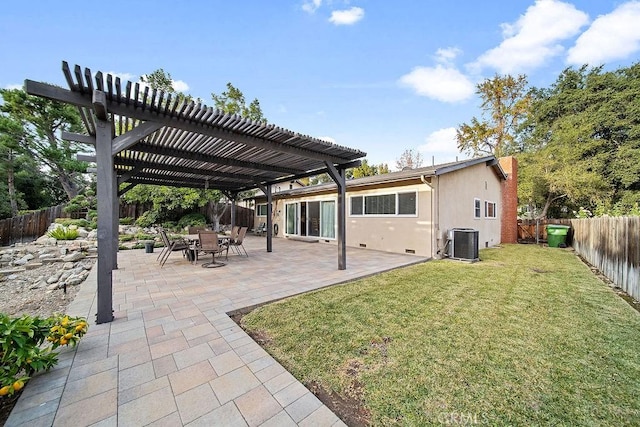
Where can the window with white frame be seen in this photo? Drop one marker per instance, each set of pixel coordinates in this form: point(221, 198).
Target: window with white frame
point(489, 209)
point(398, 204)
point(477, 212)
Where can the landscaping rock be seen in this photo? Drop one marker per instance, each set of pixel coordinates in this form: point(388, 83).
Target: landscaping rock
point(67, 266)
point(73, 257)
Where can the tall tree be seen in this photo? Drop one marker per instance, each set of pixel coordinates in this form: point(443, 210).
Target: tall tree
point(42, 121)
point(365, 169)
point(232, 101)
point(584, 139)
point(160, 80)
point(11, 134)
point(505, 105)
point(409, 159)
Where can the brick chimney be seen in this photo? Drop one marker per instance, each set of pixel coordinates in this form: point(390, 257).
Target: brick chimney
point(509, 226)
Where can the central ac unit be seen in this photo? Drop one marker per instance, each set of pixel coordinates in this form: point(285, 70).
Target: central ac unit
point(463, 244)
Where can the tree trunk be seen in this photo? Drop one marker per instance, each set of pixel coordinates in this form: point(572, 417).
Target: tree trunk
point(69, 187)
point(547, 204)
point(11, 185)
point(217, 215)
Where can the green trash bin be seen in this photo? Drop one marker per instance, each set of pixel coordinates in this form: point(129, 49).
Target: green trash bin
point(557, 235)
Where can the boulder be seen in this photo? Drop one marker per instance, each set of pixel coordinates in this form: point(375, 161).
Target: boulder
point(73, 257)
point(67, 266)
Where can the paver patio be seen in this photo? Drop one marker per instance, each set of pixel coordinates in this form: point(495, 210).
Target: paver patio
point(172, 356)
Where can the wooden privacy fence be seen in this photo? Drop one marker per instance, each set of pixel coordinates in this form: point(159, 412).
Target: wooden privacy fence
point(25, 228)
point(528, 229)
point(612, 245)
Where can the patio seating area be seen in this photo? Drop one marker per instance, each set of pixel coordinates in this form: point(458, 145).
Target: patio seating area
point(172, 356)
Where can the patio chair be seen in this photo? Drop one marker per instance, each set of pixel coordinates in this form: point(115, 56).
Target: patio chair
point(262, 229)
point(237, 242)
point(172, 246)
point(210, 243)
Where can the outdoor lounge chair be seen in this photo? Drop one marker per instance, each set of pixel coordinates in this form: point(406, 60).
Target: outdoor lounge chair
point(262, 229)
point(237, 242)
point(209, 242)
point(172, 246)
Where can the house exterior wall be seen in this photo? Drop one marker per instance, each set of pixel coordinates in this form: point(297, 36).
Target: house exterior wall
point(394, 233)
point(445, 202)
point(456, 194)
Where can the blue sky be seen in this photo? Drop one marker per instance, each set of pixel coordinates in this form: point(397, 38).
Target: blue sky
point(380, 76)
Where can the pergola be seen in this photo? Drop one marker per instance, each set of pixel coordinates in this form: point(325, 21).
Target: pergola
point(145, 136)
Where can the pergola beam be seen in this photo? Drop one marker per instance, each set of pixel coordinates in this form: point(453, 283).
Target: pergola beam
point(240, 178)
point(63, 95)
point(127, 140)
point(190, 155)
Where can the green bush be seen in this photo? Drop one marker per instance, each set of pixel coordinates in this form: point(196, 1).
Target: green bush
point(126, 220)
point(27, 346)
point(143, 236)
point(147, 219)
point(192, 220)
point(63, 233)
point(66, 222)
point(126, 237)
point(169, 225)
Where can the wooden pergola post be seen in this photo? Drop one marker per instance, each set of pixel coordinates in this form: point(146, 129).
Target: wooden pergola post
point(106, 195)
point(338, 177)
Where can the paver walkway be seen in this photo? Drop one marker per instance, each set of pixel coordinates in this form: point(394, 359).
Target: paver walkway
point(173, 357)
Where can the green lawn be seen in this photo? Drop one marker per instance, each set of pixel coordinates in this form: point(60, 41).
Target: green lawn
point(527, 336)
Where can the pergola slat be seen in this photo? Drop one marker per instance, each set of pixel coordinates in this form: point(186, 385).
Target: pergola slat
point(160, 138)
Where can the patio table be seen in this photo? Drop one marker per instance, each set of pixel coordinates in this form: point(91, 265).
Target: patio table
point(194, 240)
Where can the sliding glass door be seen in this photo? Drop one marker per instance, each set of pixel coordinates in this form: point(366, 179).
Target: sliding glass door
point(316, 219)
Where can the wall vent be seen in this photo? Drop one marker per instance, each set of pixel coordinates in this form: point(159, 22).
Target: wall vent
point(409, 251)
point(363, 245)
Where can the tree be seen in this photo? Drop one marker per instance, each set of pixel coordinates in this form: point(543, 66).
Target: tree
point(42, 120)
point(409, 159)
point(583, 139)
point(160, 80)
point(232, 101)
point(505, 105)
point(365, 169)
point(11, 134)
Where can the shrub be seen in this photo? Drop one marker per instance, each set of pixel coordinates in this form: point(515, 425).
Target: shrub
point(63, 233)
point(126, 237)
point(169, 225)
point(143, 236)
point(126, 220)
point(147, 219)
point(192, 220)
point(66, 222)
point(27, 346)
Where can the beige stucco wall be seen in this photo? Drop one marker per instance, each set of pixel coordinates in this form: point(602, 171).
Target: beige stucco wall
point(452, 200)
point(457, 191)
point(400, 234)
point(385, 233)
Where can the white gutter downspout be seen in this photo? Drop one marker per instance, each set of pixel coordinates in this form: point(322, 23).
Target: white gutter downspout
point(434, 214)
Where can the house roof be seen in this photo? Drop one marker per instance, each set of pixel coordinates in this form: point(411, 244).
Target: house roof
point(185, 143)
point(395, 177)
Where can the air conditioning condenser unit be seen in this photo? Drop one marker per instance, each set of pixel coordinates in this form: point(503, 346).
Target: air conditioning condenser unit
point(463, 244)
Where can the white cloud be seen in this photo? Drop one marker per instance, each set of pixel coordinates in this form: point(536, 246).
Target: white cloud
point(311, 6)
point(447, 55)
point(179, 86)
point(534, 37)
point(612, 36)
point(347, 16)
point(13, 86)
point(442, 83)
point(123, 76)
point(441, 145)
